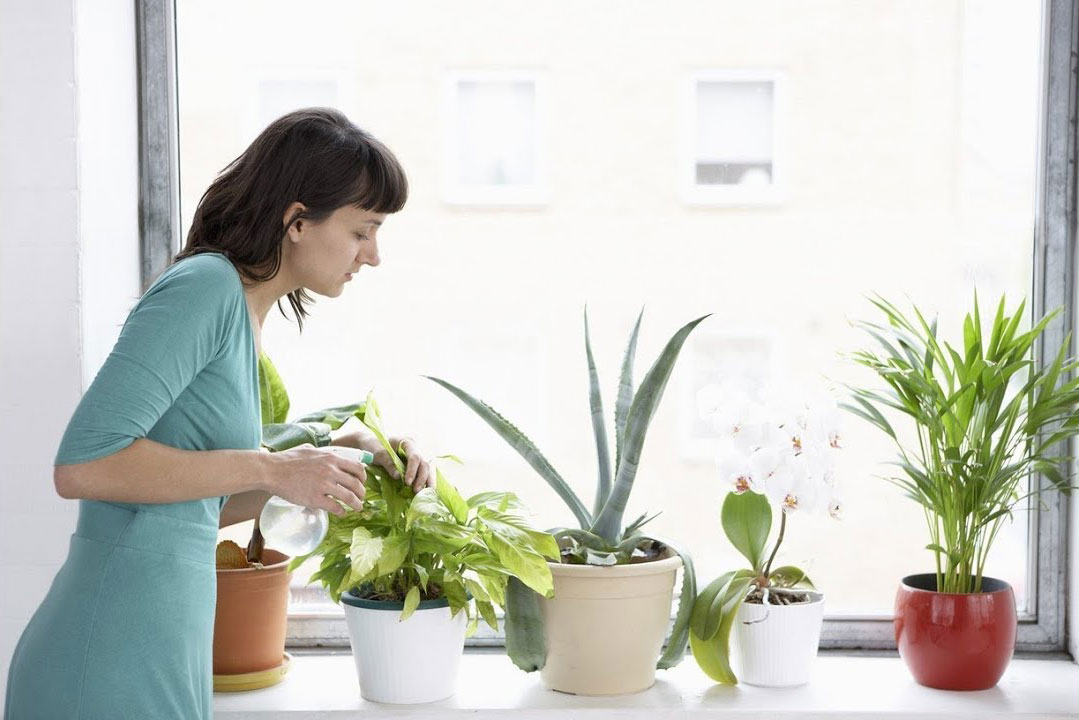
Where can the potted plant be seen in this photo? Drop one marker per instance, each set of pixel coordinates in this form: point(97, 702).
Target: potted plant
point(772, 459)
point(253, 583)
point(602, 631)
point(416, 571)
point(986, 417)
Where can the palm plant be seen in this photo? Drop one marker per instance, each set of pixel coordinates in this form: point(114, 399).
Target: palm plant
point(986, 419)
point(600, 538)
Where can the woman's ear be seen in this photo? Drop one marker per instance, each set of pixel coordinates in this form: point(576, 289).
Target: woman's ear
point(293, 225)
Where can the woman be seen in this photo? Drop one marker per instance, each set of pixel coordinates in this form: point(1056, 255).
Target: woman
point(163, 447)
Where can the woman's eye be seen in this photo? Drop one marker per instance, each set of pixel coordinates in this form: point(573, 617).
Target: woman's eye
point(360, 237)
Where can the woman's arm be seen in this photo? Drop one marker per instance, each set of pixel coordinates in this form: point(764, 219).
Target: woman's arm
point(243, 506)
point(150, 472)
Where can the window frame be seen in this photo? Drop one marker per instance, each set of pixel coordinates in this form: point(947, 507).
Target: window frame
point(454, 193)
point(694, 193)
point(1042, 623)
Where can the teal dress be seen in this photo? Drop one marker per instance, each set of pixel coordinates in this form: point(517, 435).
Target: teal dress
point(126, 629)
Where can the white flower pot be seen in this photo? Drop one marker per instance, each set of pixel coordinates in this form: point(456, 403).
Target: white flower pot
point(414, 661)
point(779, 645)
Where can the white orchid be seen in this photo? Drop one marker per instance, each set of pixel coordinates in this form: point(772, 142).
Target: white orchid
point(774, 443)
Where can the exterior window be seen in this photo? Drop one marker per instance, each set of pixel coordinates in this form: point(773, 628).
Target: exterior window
point(493, 139)
point(733, 156)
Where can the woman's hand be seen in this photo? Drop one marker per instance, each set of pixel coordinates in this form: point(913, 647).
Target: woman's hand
point(311, 477)
point(418, 473)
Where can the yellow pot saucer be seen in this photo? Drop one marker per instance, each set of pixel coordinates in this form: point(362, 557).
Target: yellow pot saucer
point(252, 680)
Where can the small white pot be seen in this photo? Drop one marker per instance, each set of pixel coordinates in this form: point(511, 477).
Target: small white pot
point(414, 661)
point(779, 644)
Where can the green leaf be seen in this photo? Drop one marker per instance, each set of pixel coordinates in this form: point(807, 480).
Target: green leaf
point(394, 551)
point(273, 398)
point(609, 522)
point(283, 436)
point(335, 417)
point(789, 576)
point(364, 552)
point(448, 494)
point(747, 521)
point(525, 447)
point(412, 601)
point(525, 641)
point(500, 501)
point(372, 418)
point(487, 612)
point(426, 503)
point(713, 654)
point(530, 567)
point(625, 392)
point(599, 428)
point(676, 644)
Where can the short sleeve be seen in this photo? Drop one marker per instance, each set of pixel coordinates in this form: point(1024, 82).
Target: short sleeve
point(177, 328)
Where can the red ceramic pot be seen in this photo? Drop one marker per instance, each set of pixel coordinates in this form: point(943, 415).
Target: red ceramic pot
point(955, 641)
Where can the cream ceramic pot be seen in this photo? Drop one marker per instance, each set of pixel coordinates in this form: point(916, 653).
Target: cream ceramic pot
point(605, 625)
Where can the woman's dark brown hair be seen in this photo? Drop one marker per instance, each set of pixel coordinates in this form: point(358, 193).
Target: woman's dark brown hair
point(314, 156)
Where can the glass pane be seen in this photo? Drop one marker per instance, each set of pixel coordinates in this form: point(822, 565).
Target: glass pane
point(734, 132)
point(494, 138)
point(908, 131)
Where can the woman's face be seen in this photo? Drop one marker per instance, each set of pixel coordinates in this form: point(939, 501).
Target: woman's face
point(323, 256)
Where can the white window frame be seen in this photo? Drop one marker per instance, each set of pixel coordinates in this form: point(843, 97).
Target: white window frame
point(1042, 623)
point(694, 193)
point(453, 192)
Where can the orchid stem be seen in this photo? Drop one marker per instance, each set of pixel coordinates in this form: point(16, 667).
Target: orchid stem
point(779, 541)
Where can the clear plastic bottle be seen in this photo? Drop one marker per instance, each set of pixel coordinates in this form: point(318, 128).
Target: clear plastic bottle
point(297, 530)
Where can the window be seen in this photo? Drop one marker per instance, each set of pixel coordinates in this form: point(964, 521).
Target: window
point(493, 150)
point(733, 139)
point(888, 152)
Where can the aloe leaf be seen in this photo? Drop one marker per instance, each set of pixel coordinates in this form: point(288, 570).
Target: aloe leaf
point(273, 397)
point(525, 447)
point(676, 644)
point(625, 392)
point(595, 401)
point(747, 520)
point(609, 522)
point(525, 642)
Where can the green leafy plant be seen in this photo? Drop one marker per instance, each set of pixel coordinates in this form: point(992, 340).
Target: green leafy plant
point(986, 416)
point(407, 546)
point(600, 538)
point(747, 522)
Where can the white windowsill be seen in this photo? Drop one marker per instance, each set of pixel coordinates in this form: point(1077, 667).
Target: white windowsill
point(325, 686)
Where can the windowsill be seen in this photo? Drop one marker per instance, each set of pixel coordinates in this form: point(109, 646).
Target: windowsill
point(324, 686)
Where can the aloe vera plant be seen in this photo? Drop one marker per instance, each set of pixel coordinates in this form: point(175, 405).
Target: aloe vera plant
point(987, 417)
point(407, 546)
point(600, 538)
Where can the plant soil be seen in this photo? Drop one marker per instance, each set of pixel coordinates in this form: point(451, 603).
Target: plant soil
point(778, 596)
point(434, 592)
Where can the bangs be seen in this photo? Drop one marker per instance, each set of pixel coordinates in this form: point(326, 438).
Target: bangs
point(381, 186)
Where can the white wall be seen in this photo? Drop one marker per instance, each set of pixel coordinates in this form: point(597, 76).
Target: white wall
point(68, 192)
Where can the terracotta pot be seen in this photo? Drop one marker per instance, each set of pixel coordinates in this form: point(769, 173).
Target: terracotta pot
point(605, 625)
point(955, 641)
point(252, 610)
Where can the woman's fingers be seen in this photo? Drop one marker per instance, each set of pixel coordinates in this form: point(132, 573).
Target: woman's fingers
point(410, 470)
point(424, 477)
